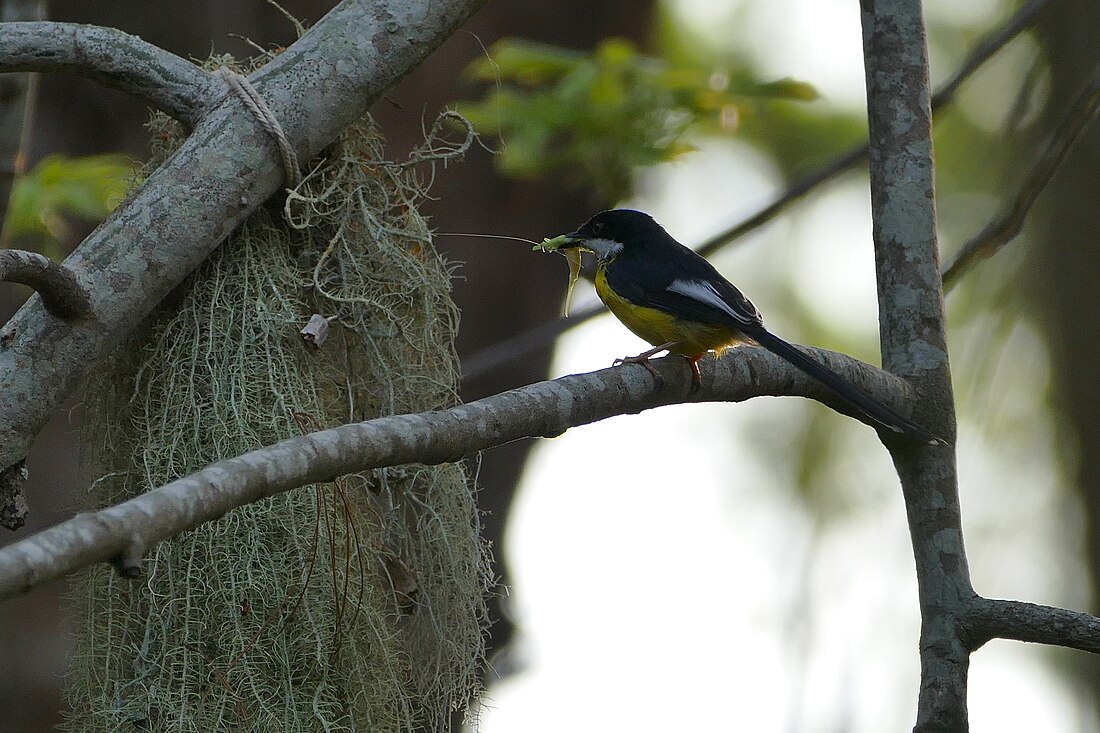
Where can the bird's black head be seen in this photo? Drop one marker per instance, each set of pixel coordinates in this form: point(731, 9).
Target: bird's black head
point(610, 232)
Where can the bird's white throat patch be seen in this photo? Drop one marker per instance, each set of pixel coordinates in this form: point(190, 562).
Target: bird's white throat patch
point(604, 249)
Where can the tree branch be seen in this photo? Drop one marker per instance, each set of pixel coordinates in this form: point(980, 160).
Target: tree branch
point(112, 58)
point(544, 409)
point(222, 172)
point(62, 294)
point(998, 619)
point(913, 340)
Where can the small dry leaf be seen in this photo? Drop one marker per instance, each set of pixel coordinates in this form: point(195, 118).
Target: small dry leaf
point(315, 331)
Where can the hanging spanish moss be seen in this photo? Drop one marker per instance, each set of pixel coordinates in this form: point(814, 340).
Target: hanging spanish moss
point(352, 605)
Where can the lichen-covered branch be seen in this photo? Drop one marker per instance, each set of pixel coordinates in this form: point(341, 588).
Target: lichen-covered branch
point(912, 333)
point(113, 58)
point(543, 409)
point(225, 169)
point(62, 294)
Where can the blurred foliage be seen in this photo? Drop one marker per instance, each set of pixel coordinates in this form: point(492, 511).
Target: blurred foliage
point(796, 135)
point(801, 138)
point(60, 188)
point(598, 116)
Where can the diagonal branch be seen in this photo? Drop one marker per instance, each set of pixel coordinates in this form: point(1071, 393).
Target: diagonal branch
point(222, 172)
point(61, 291)
point(1002, 230)
point(543, 409)
point(114, 59)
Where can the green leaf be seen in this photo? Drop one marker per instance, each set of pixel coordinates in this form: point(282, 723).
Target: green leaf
point(87, 188)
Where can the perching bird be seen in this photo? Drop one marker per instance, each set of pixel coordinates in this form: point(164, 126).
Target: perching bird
point(674, 299)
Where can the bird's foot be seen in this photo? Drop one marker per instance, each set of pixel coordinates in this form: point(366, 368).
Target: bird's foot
point(643, 359)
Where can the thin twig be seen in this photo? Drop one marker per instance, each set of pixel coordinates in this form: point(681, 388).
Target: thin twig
point(491, 358)
point(985, 49)
point(1002, 230)
point(61, 291)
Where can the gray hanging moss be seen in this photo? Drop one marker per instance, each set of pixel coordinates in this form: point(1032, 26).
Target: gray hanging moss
point(356, 605)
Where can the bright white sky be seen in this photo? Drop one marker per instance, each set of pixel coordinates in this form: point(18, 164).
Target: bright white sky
point(666, 576)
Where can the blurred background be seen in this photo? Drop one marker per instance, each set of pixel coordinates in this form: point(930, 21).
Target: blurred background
point(746, 566)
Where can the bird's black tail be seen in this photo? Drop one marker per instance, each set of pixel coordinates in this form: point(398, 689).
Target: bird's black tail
point(880, 413)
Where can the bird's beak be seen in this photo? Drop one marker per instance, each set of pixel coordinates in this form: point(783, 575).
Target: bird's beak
point(562, 241)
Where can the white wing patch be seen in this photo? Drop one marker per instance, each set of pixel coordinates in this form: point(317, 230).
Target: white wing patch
point(704, 292)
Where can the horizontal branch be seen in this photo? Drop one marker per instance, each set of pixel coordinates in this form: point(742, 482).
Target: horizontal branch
point(112, 58)
point(544, 409)
point(61, 292)
point(224, 170)
point(988, 619)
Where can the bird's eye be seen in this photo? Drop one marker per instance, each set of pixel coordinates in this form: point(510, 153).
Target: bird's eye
point(597, 227)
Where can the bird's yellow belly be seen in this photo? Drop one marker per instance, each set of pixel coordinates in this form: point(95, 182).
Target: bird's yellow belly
point(689, 338)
